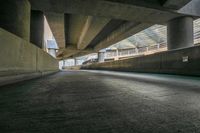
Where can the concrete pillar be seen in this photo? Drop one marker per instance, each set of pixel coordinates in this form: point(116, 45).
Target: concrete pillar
point(37, 28)
point(52, 52)
point(136, 50)
point(75, 61)
point(101, 56)
point(15, 17)
point(117, 55)
point(180, 33)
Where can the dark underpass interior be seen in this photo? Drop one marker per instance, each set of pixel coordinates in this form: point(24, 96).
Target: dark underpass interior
point(101, 102)
point(99, 66)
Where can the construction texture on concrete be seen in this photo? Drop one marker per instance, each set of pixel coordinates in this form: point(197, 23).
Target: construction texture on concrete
point(182, 61)
point(101, 102)
point(19, 57)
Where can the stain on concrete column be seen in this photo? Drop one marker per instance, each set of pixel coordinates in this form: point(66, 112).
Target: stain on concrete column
point(15, 17)
point(37, 28)
point(180, 33)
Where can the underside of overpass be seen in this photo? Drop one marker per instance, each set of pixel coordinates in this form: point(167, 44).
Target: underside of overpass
point(143, 98)
point(83, 27)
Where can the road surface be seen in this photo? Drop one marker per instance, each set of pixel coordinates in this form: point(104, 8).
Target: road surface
point(101, 102)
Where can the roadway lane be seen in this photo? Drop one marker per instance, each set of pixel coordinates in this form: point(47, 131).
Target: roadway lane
point(101, 102)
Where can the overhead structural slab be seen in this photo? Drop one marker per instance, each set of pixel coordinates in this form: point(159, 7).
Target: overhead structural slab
point(37, 28)
point(180, 33)
point(111, 9)
point(15, 17)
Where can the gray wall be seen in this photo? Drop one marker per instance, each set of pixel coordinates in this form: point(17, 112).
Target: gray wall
point(19, 57)
point(170, 62)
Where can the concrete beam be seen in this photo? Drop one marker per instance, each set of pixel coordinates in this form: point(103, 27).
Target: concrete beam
point(91, 29)
point(101, 8)
point(106, 31)
point(124, 31)
point(192, 8)
point(175, 4)
point(76, 24)
point(70, 51)
point(82, 53)
point(56, 23)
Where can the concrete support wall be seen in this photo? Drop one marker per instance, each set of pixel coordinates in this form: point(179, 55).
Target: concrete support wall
point(180, 33)
point(183, 61)
point(37, 28)
point(21, 60)
point(15, 17)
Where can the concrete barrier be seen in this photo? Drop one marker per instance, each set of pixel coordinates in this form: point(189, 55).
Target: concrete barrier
point(20, 60)
point(182, 61)
point(72, 68)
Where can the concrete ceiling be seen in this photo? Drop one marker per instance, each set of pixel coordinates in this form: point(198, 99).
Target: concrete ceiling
point(84, 26)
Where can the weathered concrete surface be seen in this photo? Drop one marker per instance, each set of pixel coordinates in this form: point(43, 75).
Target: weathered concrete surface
point(171, 62)
point(102, 102)
point(19, 57)
point(15, 17)
point(180, 33)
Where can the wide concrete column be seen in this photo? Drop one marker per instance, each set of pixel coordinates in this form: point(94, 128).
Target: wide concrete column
point(15, 17)
point(180, 33)
point(101, 56)
point(37, 28)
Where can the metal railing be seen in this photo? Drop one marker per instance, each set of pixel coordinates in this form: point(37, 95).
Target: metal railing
point(121, 53)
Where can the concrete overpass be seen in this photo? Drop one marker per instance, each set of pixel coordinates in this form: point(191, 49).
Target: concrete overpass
point(81, 27)
point(97, 101)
